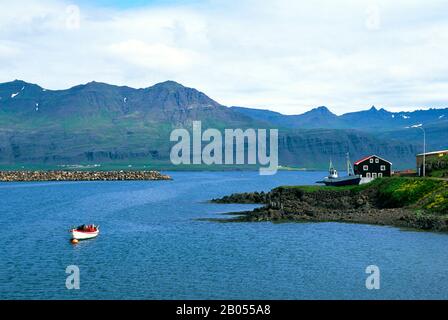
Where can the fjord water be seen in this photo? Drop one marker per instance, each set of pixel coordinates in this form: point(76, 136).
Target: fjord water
point(152, 245)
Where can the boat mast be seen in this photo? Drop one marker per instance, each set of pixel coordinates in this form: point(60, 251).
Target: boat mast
point(349, 172)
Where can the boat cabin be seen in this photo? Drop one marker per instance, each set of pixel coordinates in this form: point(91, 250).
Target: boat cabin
point(373, 167)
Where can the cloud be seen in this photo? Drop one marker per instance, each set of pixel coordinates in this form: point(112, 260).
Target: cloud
point(152, 56)
point(288, 56)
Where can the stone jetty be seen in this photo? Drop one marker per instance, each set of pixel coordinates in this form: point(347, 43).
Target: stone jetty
point(60, 175)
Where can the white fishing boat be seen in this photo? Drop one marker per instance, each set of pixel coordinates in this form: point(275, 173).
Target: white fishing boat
point(84, 232)
point(335, 180)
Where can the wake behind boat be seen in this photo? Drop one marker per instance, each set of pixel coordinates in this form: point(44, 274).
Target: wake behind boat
point(333, 178)
point(84, 232)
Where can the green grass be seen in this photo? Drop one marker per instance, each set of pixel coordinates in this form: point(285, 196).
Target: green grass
point(441, 173)
point(400, 192)
point(425, 194)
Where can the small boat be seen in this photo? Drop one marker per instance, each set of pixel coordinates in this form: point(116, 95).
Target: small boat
point(333, 178)
point(84, 232)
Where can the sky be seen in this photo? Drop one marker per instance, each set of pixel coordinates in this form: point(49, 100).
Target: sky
point(286, 56)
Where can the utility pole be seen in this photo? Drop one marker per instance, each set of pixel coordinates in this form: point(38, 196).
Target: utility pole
point(424, 151)
point(420, 126)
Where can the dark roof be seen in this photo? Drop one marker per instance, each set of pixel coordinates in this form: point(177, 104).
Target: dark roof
point(366, 158)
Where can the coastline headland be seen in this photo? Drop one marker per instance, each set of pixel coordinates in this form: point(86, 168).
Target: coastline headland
point(62, 175)
point(402, 202)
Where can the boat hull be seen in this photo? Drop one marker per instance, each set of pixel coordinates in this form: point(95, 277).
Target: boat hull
point(83, 235)
point(342, 181)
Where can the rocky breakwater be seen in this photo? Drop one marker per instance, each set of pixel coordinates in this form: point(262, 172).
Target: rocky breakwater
point(413, 203)
point(14, 176)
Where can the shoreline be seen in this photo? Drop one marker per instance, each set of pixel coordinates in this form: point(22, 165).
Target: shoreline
point(405, 219)
point(69, 175)
point(366, 204)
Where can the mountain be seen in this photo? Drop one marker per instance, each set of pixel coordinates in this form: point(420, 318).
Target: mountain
point(319, 117)
point(98, 122)
point(166, 101)
point(101, 122)
point(308, 147)
point(436, 136)
point(367, 120)
point(372, 118)
point(385, 133)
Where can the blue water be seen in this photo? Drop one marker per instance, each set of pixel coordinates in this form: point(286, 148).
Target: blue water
point(153, 247)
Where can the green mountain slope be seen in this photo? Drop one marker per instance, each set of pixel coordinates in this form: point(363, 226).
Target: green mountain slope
point(102, 123)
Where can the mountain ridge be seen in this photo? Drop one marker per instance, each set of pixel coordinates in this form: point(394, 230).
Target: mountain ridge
point(100, 122)
point(361, 119)
point(323, 110)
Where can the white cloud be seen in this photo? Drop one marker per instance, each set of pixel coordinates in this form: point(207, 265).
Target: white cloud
point(284, 55)
point(153, 56)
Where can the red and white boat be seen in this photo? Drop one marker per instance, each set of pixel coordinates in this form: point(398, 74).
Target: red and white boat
point(85, 232)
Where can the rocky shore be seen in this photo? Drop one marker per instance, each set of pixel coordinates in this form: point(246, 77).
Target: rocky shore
point(15, 176)
point(358, 205)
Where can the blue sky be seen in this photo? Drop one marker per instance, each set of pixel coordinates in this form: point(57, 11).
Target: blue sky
point(282, 55)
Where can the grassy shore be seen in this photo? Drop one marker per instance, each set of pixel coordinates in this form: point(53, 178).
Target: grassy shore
point(420, 203)
point(397, 192)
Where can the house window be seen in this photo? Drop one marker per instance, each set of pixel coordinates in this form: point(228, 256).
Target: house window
point(368, 175)
point(383, 168)
point(371, 160)
point(374, 175)
point(365, 167)
point(377, 160)
point(380, 175)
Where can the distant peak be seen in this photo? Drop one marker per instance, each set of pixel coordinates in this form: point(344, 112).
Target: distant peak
point(373, 108)
point(168, 84)
point(320, 110)
point(92, 85)
point(17, 82)
point(96, 83)
point(18, 85)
